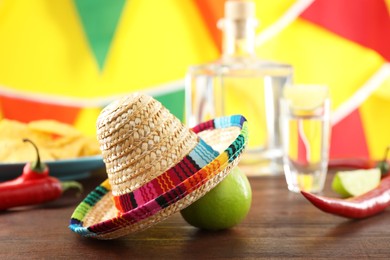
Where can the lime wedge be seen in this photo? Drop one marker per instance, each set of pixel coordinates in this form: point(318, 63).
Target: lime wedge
point(355, 183)
point(305, 97)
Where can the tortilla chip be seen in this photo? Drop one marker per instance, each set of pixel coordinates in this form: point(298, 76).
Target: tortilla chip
point(55, 140)
point(14, 151)
point(53, 127)
point(67, 150)
point(91, 147)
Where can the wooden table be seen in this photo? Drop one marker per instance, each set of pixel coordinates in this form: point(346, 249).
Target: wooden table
point(281, 224)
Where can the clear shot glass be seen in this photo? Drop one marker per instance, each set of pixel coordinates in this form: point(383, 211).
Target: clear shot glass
point(305, 135)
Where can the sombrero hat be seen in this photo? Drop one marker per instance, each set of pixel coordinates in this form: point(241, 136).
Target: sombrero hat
point(155, 166)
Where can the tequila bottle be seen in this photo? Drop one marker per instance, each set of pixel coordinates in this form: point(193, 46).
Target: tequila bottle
point(241, 83)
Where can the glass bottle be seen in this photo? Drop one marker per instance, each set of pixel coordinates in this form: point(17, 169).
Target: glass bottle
point(240, 83)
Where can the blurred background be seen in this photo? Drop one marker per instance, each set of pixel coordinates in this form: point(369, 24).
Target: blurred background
point(67, 59)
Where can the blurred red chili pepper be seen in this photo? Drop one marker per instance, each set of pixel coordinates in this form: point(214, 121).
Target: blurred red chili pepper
point(33, 187)
point(362, 206)
point(354, 163)
point(362, 163)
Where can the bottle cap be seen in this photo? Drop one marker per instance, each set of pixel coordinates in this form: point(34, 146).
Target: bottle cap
point(239, 9)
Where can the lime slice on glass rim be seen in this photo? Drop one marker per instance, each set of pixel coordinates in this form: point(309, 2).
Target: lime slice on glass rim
point(305, 97)
point(357, 182)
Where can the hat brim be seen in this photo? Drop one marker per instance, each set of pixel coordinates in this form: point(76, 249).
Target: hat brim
point(96, 216)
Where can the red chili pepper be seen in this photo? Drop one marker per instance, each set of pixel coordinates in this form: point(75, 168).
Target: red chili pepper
point(362, 163)
point(354, 163)
point(362, 206)
point(34, 186)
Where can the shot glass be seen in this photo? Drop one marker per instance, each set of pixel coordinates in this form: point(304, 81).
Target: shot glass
point(305, 136)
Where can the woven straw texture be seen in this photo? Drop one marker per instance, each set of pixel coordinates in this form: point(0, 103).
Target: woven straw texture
point(155, 166)
point(139, 140)
point(105, 210)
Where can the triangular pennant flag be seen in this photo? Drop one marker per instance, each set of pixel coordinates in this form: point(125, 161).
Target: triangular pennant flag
point(370, 28)
point(99, 19)
point(25, 110)
point(212, 11)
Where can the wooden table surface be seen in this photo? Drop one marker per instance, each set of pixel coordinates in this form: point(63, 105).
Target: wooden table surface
point(280, 224)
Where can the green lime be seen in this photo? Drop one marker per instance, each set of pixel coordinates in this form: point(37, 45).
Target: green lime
point(224, 206)
point(357, 182)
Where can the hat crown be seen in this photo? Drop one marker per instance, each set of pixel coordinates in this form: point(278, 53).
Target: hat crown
point(140, 139)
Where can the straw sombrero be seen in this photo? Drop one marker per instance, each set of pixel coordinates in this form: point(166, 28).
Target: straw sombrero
point(155, 166)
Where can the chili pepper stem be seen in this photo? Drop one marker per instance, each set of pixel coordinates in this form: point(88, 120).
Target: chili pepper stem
point(384, 165)
point(72, 185)
point(37, 165)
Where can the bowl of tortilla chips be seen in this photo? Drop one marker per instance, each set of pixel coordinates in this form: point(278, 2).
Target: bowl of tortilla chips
point(66, 150)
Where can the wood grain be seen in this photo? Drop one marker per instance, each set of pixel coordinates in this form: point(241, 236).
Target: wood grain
point(281, 224)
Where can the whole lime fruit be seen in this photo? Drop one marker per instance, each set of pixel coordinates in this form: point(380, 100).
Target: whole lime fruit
point(224, 206)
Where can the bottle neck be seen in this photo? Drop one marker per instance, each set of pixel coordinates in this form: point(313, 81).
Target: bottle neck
point(238, 38)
